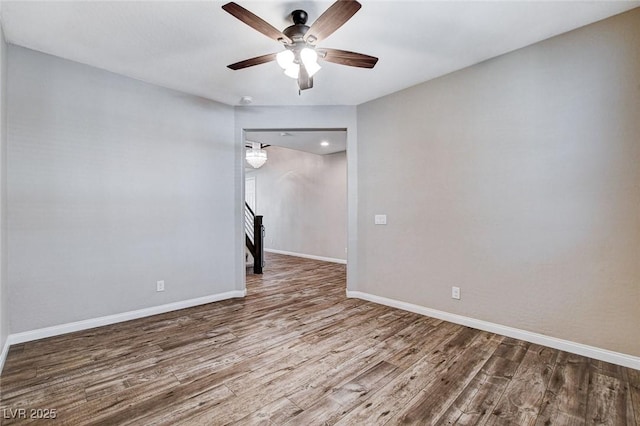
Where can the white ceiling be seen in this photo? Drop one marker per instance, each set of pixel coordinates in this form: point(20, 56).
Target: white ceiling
point(302, 140)
point(186, 45)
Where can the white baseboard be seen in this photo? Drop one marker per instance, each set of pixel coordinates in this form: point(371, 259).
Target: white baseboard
point(3, 354)
point(541, 339)
point(57, 330)
point(308, 256)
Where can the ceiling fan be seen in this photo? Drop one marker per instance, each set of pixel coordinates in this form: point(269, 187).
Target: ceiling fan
point(299, 59)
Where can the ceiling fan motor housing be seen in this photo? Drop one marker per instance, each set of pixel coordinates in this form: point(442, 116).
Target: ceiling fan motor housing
point(299, 16)
point(296, 32)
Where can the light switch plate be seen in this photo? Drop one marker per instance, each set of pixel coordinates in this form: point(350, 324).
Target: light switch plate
point(380, 219)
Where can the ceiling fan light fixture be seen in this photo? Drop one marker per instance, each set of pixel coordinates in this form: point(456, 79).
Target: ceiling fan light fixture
point(292, 70)
point(309, 58)
point(285, 59)
point(312, 69)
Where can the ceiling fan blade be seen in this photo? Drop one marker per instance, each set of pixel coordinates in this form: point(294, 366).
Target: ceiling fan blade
point(253, 61)
point(304, 80)
point(256, 22)
point(332, 19)
point(344, 57)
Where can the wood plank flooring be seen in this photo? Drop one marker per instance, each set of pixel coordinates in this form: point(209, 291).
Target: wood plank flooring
point(297, 351)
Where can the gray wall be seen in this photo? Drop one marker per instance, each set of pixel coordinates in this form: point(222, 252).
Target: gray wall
point(517, 180)
point(4, 306)
point(113, 184)
point(303, 198)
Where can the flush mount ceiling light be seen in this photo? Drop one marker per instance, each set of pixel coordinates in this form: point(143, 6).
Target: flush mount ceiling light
point(299, 60)
point(324, 143)
point(255, 155)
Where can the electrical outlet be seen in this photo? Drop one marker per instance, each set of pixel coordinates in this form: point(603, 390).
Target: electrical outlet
point(455, 293)
point(160, 286)
point(380, 219)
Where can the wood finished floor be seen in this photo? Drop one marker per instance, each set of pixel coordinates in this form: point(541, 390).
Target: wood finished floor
point(297, 351)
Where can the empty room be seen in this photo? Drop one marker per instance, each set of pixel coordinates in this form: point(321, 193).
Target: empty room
point(320, 212)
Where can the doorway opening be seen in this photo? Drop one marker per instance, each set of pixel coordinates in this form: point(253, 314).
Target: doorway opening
point(300, 192)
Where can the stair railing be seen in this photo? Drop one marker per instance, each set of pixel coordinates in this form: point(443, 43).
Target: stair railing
point(254, 237)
